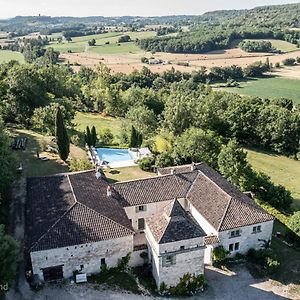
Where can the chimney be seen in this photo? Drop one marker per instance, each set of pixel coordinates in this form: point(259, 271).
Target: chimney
point(109, 191)
point(172, 171)
point(193, 166)
point(98, 173)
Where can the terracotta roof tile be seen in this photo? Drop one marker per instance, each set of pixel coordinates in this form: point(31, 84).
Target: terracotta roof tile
point(174, 224)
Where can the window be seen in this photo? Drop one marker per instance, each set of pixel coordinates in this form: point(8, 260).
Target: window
point(256, 229)
point(169, 260)
point(140, 208)
point(181, 247)
point(103, 261)
point(236, 246)
point(141, 224)
point(235, 233)
point(81, 267)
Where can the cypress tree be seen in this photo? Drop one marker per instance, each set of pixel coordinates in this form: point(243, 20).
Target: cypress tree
point(133, 138)
point(93, 136)
point(88, 136)
point(139, 139)
point(62, 138)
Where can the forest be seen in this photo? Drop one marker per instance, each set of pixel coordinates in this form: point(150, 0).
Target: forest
point(218, 30)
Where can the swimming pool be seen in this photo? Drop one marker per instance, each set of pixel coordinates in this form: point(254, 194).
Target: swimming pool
point(115, 157)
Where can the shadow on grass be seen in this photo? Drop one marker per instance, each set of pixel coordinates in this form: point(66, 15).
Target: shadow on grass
point(32, 166)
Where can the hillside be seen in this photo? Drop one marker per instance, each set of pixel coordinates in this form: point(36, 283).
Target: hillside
point(218, 30)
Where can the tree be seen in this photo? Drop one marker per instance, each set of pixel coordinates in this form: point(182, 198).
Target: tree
point(88, 137)
point(93, 136)
point(92, 42)
point(7, 172)
point(143, 119)
point(294, 222)
point(9, 251)
point(133, 140)
point(62, 138)
point(197, 145)
point(124, 39)
point(232, 162)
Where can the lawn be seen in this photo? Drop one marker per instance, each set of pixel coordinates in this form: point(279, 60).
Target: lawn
point(80, 44)
point(82, 120)
point(281, 169)
point(127, 173)
point(7, 55)
point(35, 167)
point(269, 87)
point(280, 45)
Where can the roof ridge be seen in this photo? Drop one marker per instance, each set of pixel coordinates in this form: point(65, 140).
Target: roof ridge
point(104, 216)
point(192, 185)
point(53, 225)
point(221, 189)
point(224, 214)
point(62, 174)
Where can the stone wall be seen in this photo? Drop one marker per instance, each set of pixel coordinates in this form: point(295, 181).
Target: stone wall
point(247, 238)
point(151, 209)
point(89, 255)
point(188, 260)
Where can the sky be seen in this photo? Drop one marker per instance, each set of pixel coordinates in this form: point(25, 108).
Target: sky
point(11, 8)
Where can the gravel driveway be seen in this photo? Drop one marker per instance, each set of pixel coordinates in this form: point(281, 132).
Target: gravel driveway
point(235, 285)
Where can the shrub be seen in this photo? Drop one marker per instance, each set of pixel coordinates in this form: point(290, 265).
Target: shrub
point(164, 160)
point(123, 263)
point(289, 62)
point(144, 60)
point(277, 65)
point(219, 254)
point(298, 59)
point(106, 137)
point(188, 285)
point(147, 163)
point(80, 165)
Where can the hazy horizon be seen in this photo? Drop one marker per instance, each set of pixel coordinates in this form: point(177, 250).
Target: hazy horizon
point(113, 8)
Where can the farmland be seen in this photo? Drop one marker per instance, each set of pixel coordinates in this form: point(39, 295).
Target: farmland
point(279, 45)
point(106, 43)
point(270, 87)
point(6, 56)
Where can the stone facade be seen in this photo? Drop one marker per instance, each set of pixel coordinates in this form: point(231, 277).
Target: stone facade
point(87, 255)
point(247, 239)
point(151, 209)
point(187, 256)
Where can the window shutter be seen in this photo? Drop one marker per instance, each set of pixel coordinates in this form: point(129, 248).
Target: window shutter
point(163, 261)
point(136, 209)
point(145, 207)
point(174, 260)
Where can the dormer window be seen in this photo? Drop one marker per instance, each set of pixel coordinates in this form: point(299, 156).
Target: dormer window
point(141, 208)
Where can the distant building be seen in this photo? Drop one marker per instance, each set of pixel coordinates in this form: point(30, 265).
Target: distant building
point(76, 221)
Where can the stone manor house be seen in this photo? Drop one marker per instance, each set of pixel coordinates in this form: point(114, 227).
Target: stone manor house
point(79, 221)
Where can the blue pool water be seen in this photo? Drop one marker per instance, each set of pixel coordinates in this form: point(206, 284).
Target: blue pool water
point(113, 155)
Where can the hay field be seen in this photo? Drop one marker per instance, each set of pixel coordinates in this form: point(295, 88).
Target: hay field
point(126, 62)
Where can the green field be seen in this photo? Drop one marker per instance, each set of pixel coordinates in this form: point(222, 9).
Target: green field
point(80, 44)
point(82, 120)
point(279, 45)
point(271, 87)
point(281, 169)
point(6, 56)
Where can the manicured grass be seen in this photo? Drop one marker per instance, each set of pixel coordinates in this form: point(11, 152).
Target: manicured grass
point(80, 44)
point(282, 170)
point(35, 167)
point(280, 45)
point(270, 87)
point(82, 120)
point(127, 173)
point(7, 55)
